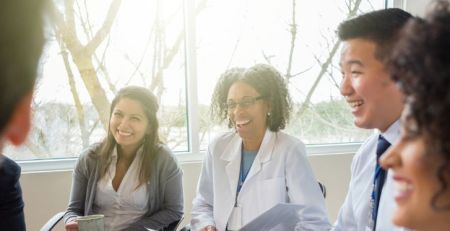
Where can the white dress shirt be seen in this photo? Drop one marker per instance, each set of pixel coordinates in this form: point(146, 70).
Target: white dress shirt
point(129, 203)
point(354, 214)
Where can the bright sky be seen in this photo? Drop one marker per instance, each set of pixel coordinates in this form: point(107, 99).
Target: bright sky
point(229, 33)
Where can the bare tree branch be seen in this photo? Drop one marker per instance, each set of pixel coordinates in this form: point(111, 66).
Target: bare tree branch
point(293, 31)
point(106, 27)
point(157, 79)
point(325, 65)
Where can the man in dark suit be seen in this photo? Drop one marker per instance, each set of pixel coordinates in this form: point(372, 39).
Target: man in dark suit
point(21, 43)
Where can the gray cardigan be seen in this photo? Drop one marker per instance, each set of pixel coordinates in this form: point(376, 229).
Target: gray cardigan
point(165, 204)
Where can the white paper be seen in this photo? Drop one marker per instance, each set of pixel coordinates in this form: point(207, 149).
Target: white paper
point(281, 217)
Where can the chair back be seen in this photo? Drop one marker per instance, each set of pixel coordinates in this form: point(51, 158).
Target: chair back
point(53, 221)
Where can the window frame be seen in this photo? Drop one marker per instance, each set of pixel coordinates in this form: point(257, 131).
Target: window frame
point(194, 154)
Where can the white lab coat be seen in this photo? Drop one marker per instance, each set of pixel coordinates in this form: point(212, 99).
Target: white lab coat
point(280, 174)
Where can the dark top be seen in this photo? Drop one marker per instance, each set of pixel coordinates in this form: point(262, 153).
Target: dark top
point(11, 203)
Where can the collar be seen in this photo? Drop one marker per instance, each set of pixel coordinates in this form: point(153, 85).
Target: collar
point(392, 133)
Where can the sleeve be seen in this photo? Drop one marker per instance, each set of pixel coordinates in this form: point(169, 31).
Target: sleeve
point(303, 189)
point(172, 204)
point(202, 209)
point(80, 179)
point(345, 220)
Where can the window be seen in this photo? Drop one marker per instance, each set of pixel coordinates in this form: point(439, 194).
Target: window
point(298, 37)
point(178, 49)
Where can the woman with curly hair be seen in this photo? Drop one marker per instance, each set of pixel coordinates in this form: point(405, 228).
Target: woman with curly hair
point(255, 166)
point(421, 159)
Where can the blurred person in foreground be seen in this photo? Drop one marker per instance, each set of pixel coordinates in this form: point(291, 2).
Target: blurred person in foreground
point(255, 166)
point(420, 160)
point(21, 44)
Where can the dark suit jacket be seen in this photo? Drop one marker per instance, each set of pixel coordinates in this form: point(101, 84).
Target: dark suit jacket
point(11, 203)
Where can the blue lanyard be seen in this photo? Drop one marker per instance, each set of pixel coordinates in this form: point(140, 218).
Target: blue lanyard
point(241, 174)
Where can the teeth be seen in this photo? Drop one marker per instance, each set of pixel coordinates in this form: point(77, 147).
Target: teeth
point(124, 133)
point(355, 103)
point(402, 187)
point(242, 122)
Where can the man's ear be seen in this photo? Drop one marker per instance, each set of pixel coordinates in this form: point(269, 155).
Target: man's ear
point(18, 126)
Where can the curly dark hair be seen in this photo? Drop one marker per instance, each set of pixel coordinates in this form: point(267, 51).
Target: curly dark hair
point(420, 64)
point(380, 26)
point(267, 81)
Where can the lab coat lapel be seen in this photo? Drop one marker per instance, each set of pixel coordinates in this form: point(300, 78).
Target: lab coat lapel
point(232, 155)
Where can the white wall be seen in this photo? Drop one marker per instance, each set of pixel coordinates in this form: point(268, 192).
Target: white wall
point(416, 7)
point(46, 193)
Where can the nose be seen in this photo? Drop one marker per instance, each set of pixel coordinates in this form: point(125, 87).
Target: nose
point(237, 109)
point(345, 87)
point(124, 122)
point(392, 159)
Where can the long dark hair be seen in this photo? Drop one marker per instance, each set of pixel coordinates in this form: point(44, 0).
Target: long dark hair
point(151, 139)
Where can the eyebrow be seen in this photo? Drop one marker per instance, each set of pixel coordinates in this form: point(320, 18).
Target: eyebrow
point(354, 62)
point(138, 115)
point(243, 97)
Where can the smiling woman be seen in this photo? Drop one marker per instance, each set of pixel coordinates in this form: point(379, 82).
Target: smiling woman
point(421, 159)
point(130, 178)
point(254, 156)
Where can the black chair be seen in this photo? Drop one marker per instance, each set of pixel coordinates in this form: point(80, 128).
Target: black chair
point(173, 226)
point(323, 189)
point(53, 221)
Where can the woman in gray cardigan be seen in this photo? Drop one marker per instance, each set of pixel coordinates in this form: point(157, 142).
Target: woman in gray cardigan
point(130, 178)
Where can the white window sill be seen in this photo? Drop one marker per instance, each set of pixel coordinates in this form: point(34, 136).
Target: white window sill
point(183, 157)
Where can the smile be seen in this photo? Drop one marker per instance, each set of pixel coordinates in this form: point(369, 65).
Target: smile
point(124, 133)
point(403, 189)
point(241, 123)
point(355, 103)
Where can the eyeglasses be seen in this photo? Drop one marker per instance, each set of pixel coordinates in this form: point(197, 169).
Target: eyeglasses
point(244, 103)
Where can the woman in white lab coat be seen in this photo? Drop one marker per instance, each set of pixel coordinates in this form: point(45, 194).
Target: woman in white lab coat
point(255, 166)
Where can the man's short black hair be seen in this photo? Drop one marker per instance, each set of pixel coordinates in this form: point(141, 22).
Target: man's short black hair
point(381, 27)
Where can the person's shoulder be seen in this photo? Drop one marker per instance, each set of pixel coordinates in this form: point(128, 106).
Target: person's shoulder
point(365, 152)
point(164, 154)
point(91, 153)
point(367, 145)
point(227, 135)
point(286, 139)
point(222, 139)
point(9, 169)
point(165, 158)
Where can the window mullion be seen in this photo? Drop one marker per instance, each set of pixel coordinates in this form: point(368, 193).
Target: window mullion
point(191, 76)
